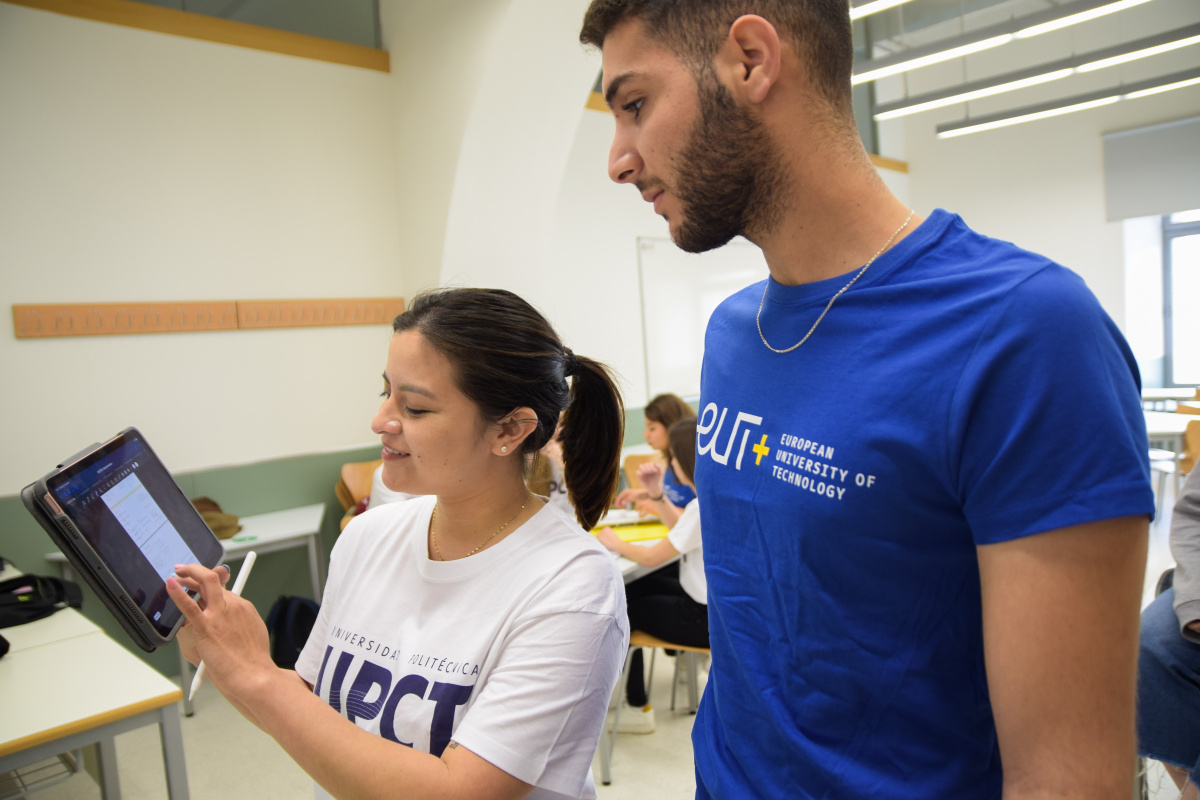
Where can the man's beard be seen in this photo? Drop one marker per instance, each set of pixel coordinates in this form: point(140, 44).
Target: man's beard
point(730, 176)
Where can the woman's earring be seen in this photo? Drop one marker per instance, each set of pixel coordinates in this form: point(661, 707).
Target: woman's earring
point(504, 449)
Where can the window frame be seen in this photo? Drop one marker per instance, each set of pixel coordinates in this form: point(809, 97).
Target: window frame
point(1170, 232)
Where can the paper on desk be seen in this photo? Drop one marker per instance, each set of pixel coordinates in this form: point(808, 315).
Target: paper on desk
point(622, 516)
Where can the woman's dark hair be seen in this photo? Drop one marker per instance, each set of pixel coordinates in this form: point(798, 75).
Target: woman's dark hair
point(505, 355)
point(682, 437)
point(666, 410)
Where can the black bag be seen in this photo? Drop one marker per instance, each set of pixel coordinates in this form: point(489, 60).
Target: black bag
point(289, 622)
point(26, 598)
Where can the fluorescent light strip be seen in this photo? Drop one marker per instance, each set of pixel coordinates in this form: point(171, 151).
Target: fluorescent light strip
point(1068, 105)
point(866, 9)
point(1075, 19)
point(986, 38)
point(1086, 62)
point(1159, 89)
point(975, 95)
point(1149, 51)
point(1054, 112)
point(933, 58)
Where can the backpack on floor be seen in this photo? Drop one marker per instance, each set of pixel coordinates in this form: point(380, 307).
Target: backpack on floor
point(289, 623)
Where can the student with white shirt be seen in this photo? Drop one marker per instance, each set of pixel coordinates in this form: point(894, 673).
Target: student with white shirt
point(468, 640)
point(670, 603)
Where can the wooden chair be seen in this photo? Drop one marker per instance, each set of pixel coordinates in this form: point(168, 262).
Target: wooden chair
point(1191, 447)
point(353, 485)
point(687, 653)
point(630, 467)
point(1187, 407)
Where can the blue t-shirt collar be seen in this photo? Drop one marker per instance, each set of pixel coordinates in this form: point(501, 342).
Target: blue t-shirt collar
point(904, 252)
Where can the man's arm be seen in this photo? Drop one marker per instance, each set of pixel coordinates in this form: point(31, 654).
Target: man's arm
point(1060, 627)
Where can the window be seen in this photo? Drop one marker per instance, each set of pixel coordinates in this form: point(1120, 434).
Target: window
point(1181, 298)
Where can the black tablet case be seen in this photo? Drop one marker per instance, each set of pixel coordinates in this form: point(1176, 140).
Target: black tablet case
point(81, 567)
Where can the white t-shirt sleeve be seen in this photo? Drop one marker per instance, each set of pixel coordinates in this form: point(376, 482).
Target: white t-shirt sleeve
point(539, 716)
point(685, 536)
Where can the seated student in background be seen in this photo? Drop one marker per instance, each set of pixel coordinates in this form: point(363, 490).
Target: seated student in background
point(1169, 655)
point(469, 640)
point(666, 503)
point(546, 475)
point(670, 603)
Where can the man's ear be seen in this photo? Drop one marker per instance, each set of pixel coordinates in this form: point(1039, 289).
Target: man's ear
point(749, 59)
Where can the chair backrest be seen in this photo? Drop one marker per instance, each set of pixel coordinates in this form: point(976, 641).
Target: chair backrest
point(630, 467)
point(1187, 407)
point(1191, 446)
point(355, 482)
point(643, 639)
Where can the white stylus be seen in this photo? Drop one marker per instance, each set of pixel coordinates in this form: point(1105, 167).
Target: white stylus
point(238, 583)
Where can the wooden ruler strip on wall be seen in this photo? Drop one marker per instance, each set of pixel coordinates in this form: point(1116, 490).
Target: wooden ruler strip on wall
point(307, 313)
point(106, 319)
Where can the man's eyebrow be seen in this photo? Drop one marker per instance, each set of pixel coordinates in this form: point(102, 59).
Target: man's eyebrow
point(615, 86)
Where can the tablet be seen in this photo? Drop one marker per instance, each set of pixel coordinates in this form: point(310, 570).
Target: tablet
point(123, 523)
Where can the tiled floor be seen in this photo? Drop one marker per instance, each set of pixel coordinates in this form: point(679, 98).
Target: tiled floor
point(229, 758)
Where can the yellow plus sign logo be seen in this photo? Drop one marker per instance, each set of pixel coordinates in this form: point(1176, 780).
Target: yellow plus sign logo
point(760, 450)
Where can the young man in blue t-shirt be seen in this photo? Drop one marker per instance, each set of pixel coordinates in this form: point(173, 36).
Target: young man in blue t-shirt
point(921, 453)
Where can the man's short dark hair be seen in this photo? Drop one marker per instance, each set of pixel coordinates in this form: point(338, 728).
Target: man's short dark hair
point(819, 31)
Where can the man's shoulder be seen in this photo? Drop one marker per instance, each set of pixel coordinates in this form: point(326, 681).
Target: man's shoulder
point(739, 304)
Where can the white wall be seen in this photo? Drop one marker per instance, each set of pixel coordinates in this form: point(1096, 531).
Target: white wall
point(1041, 184)
point(439, 55)
point(141, 166)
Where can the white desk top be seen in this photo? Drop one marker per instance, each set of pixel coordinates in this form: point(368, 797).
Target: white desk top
point(1166, 423)
point(1185, 393)
point(264, 529)
point(64, 675)
point(631, 570)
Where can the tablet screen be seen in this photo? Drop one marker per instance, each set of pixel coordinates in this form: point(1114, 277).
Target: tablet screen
point(135, 517)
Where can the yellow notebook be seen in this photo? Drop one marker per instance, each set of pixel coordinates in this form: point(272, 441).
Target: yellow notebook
point(640, 533)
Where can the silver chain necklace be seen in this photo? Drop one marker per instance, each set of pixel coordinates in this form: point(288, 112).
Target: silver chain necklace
point(859, 274)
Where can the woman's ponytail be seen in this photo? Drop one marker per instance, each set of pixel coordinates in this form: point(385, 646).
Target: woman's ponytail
point(593, 428)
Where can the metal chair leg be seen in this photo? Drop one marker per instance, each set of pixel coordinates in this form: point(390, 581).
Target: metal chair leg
point(607, 744)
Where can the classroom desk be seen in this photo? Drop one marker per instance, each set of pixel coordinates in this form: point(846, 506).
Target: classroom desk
point(1153, 398)
point(262, 533)
point(1167, 428)
point(65, 685)
point(643, 534)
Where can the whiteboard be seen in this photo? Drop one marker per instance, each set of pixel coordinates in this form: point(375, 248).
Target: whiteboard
point(679, 293)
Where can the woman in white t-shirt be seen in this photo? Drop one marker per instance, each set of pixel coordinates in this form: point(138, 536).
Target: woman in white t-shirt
point(670, 603)
point(468, 640)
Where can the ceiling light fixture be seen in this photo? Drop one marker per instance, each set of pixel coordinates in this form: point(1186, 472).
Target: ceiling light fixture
point(986, 38)
point(1075, 19)
point(866, 9)
point(1043, 73)
point(1068, 105)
